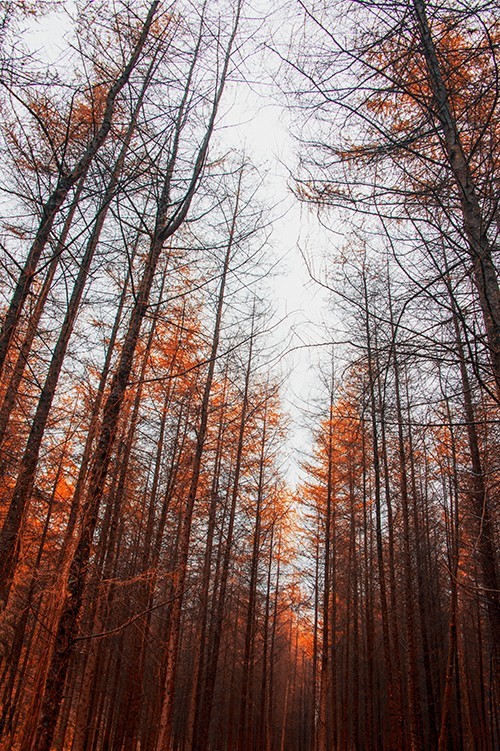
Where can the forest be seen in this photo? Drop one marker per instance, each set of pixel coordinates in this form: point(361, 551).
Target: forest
point(177, 573)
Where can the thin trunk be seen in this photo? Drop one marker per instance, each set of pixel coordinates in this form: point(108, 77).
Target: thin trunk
point(17, 372)
point(481, 506)
point(415, 710)
point(271, 714)
point(26, 478)
point(453, 560)
point(394, 600)
point(262, 736)
point(65, 183)
point(200, 641)
point(94, 417)
point(394, 733)
point(422, 579)
point(244, 739)
point(474, 223)
point(324, 721)
point(179, 578)
point(216, 628)
point(107, 542)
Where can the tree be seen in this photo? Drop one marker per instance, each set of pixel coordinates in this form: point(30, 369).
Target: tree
point(67, 178)
point(423, 153)
point(414, 164)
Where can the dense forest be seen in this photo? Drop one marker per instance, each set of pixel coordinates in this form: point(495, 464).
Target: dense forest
point(166, 581)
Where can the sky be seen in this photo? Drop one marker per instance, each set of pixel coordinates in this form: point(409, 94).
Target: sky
point(256, 121)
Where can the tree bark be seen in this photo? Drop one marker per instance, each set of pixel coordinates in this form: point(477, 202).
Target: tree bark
point(26, 478)
point(65, 183)
point(475, 226)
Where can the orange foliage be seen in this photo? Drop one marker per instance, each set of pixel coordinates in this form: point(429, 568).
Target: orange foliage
point(56, 130)
point(337, 456)
point(468, 68)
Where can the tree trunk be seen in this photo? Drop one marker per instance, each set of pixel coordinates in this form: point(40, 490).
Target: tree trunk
point(217, 621)
point(65, 183)
point(475, 226)
point(26, 478)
